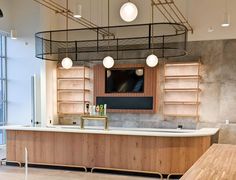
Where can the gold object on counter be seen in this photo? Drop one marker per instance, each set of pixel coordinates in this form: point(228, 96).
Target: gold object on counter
point(94, 118)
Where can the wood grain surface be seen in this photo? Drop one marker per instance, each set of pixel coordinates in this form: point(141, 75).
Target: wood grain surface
point(155, 154)
point(219, 162)
point(151, 86)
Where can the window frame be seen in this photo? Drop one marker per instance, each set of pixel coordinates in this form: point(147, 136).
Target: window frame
point(3, 83)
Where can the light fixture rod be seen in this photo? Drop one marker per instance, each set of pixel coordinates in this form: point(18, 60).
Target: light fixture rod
point(172, 13)
point(161, 11)
point(226, 6)
point(67, 18)
point(60, 6)
point(186, 21)
point(57, 8)
point(108, 22)
point(169, 4)
point(152, 28)
point(167, 12)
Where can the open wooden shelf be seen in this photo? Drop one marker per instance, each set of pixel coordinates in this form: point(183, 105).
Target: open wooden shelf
point(61, 114)
point(75, 78)
point(181, 103)
point(181, 115)
point(180, 78)
point(74, 67)
point(183, 77)
point(73, 90)
point(70, 102)
point(182, 89)
point(182, 64)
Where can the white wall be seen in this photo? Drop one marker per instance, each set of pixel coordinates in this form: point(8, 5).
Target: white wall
point(27, 18)
point(21, 62)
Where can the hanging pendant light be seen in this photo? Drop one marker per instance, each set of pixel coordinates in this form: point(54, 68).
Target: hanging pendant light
point(1, 13)
point(152, 60)
point(128, 12)
point(78, 11)
point(108, 61)
point(226, 20)
point(67, 63)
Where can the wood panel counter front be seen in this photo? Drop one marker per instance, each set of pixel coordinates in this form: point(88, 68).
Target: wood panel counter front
point(128, 152)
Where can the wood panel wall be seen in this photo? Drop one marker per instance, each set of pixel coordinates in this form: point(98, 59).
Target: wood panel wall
point(151, 85)
point(155, 154)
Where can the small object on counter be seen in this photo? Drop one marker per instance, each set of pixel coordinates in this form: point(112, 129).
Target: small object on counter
point(87, 108)
point(97, 110)
point(93, 110)
point(105, 110)
point(101, 110)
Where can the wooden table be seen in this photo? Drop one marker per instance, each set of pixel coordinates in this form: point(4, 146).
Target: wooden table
point(218, 163)
point(95, 118)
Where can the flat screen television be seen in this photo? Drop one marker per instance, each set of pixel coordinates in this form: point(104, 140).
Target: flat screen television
point(124, 80)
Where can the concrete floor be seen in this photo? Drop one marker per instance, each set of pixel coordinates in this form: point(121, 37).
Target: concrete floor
point(15, 173)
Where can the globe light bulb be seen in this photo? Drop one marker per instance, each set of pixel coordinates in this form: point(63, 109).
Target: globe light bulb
point(67, 63)
point(128, 12)
point(108, 62)
point(152, 60)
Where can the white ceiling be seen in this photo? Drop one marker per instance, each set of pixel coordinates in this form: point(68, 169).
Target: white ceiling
point(201, 14)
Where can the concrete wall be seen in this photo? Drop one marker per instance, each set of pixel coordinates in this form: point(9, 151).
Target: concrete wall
point(218, 97)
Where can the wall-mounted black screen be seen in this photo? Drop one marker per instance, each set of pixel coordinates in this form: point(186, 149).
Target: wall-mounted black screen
point(137, 103)
point(124, 80)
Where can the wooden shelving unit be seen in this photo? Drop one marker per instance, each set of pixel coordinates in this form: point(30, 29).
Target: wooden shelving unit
point(73, 90)
point(181, 90)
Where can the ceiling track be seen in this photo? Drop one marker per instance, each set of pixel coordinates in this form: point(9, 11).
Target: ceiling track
point(59, 9)
point(171, 12)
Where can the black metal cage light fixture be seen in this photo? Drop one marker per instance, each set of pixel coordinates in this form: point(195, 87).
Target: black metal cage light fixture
point(129, 42)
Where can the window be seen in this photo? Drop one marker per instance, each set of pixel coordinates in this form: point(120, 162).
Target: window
point(3, 86)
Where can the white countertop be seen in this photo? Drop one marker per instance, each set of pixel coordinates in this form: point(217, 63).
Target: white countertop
point(120, 131)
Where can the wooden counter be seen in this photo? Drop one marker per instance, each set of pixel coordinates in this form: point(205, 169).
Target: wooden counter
point(219, 162)
point(166, 155)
